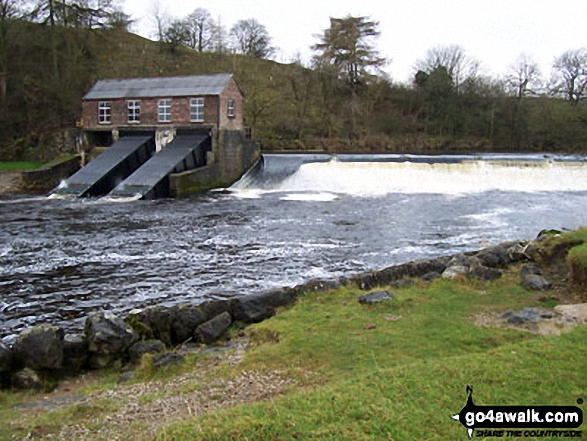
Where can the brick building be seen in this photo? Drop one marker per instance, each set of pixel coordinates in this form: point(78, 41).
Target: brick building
point(163, 105)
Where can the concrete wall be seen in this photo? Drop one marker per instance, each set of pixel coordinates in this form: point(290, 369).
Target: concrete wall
point(233, 154)
point(49, 176)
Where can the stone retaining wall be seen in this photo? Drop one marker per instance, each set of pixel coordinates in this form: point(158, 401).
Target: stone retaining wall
point(111, 341)
point(46, 178)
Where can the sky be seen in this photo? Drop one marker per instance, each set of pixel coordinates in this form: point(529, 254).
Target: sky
point(495, 32)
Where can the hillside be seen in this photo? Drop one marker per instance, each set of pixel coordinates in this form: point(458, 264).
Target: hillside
point(289, 107)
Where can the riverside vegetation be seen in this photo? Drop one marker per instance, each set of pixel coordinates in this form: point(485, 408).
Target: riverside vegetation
point(329, 367)
point(339, 103)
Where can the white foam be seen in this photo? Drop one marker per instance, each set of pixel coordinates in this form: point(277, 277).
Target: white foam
point(120, 199)
point(381, 178)
point(310, 197)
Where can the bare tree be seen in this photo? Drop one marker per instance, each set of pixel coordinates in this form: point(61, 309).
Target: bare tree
point(200, 25)
point(251, 38)
point(571, 67)
point(218, 36)
point(523, 77)
point(159, 19)
point(458, 65)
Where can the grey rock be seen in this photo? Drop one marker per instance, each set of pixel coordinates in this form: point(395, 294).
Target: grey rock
point(186, 318)
point(211, 330)
point(166, 359)
point(454, 271)
point(517, 253)
point(212, 308)
point(126, 377)
point(140, 348)
point(484, 274)
point(534, 282)
point(75, 353)
point(109, 338)
point(40, 347)
point(5, 358)
point(527, 270)
point(159, 320)
point(254, 308)
point(462, 260)
point(506, 314)
point(525, 316)
point(494, 257)
point(429, 277)
point(27, 379)
point(376, 297)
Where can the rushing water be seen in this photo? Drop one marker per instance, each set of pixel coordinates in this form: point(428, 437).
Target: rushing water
point(295, 219)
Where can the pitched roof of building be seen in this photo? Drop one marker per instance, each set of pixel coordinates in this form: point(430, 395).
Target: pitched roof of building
point(159, 87)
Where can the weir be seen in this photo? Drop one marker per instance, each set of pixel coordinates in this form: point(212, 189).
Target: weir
point(150, 181)
point(110, 168)
point(376, 175)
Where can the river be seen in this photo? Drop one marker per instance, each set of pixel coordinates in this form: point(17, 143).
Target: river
point(297, 218)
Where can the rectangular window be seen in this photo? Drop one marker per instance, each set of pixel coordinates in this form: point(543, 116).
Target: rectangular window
point(134, 111)
point(164, 110)
point(197, 110)
point(231, 111)
point(104, 112)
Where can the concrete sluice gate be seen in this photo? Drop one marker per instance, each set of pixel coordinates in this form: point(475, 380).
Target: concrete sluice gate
point(131, 167)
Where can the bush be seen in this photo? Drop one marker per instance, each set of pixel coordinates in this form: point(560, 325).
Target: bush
point(577, 259)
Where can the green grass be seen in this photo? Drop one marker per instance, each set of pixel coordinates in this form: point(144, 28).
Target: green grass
point(19, 166)
point(577, 260)
point(404, 378)
point(399, 381)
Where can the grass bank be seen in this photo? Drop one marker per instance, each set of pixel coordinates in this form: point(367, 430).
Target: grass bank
point(330, 368)
point(19, 166)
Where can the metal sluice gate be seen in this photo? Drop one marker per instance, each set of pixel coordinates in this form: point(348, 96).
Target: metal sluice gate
point(131, 168)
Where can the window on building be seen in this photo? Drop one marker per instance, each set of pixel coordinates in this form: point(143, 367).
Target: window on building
point(104, 112)
point(231, 108)
point(164, 110)
point(197, 110)
point(134, 111)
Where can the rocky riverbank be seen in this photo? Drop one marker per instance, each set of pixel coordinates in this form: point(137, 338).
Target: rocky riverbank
point(44, 353)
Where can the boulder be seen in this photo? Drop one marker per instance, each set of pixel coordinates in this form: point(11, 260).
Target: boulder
point(254, 308)
point(534, 282)
point(5, 358)
point(527, 270)
point(40, 347)
point(186, 318)
point(109, 338)
point(454, 271)
point(526, 316)
point(212, 308)
point(430, 277)
point(211, 330)
point(484, 274)
point(166, 359)
point(463, 260)
point(493, 257)
point(376, 297)
point(75, 353)
point(158, 319)
point(27, 379)
point(140, 348)
point(517, 253)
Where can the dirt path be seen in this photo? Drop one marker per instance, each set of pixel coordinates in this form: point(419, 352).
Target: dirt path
point(139, 410)
point(9, 181)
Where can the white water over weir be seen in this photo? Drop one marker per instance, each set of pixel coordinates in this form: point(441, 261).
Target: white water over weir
point(379, 176)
